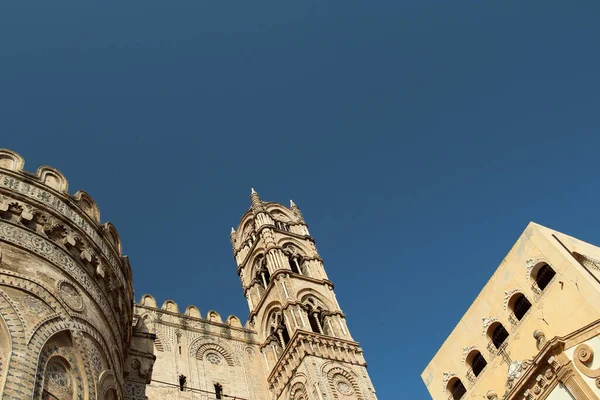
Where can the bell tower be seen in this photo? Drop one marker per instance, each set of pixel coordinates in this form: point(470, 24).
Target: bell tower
point(307, 349)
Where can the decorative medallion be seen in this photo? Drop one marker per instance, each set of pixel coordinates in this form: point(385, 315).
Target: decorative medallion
point(344, 388)
point(58, 375)
point(69, 294)
point(213, 358)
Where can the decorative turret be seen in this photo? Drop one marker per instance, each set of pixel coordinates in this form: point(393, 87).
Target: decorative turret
point(256, 202)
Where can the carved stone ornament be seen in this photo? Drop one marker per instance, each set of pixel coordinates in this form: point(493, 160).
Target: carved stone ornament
point(584, 355)
point(530, 263)
point(466, 351)
point(70, 295)
point(590, 262)
point(486, 322)
point(515, 370)
point(446, 377)
point(507, 295)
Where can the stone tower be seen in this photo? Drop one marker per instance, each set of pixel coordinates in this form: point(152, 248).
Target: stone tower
point(306, 346)
point(66, 296)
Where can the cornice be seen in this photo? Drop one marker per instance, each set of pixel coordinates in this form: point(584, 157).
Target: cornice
point(303, 344)
point(292, 273)
point(274, 277)
point(25, 190)
point(257, 233)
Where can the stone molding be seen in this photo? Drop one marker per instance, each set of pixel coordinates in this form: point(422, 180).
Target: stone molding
point(552, 366)
point(60, 258)
point(304, 344)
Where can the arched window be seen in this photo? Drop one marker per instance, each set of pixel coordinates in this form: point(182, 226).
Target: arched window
point(316, 316)
point(295, 263)
point(478, 364)
point(457, 389)
point(499, 335)
point(278, 328)
point(544, 276)
point(294, 258)
point(314, 323)
point(263, 275)
point(521, 306)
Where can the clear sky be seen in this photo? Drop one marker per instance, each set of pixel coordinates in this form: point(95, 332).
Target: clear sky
point(418, 138)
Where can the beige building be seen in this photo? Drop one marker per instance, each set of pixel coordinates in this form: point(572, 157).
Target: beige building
point(532, 331)
point(70, 328)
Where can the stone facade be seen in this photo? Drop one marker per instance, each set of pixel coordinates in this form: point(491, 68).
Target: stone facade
point(70, 328)
point(295, 345)
point(522, 336)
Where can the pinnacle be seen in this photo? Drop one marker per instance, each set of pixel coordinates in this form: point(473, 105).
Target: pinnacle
point(292, 204)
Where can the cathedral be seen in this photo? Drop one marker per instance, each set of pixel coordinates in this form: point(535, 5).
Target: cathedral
point(70, 327)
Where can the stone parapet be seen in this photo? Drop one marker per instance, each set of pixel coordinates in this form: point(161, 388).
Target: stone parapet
point(38, 214)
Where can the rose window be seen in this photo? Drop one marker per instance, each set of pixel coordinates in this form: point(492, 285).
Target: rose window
point(213, 358)
point(344, 387)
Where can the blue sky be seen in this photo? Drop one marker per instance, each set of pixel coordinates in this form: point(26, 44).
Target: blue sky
point(418, 137)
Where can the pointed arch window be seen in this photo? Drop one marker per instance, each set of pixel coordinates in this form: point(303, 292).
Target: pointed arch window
point(263, 275)
point(316, 315)
point(278, 329)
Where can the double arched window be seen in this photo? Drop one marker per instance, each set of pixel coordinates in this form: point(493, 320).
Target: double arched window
point(316, 315)
point(278, 328)
point(295, 259)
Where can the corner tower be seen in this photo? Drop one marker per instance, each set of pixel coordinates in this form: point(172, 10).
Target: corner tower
point(307, 350)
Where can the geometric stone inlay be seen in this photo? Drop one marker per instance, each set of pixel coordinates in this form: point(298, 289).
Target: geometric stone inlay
point(58, 375)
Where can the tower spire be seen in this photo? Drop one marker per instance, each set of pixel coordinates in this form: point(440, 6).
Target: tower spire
point(232, 238)
point(296, 210)
point(255, 201)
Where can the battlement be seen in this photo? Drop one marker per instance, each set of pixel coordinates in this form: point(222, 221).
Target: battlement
point(191, 313)
point(61, 227)
point(49, 187)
